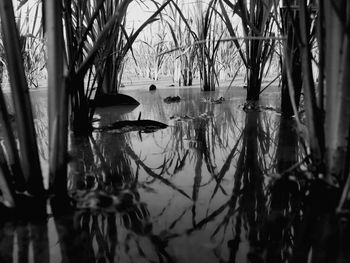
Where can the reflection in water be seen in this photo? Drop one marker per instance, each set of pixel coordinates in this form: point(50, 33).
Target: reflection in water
point(19, 240)
point(218, 185)
point(285, 195)
point(208, 152)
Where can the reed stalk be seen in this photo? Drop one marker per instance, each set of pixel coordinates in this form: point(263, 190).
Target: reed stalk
point(57, 102)
point(207, 52)
point(337, 72)
point(84, 41)
point(11, 146)
point(255, 53)
point(327, 109)
point(32, 43)
point(155, 46)
point(90, 39)
point(314, 118)
point(20, 95)
point(6, 186)
point(321, 59)
point(207, 40)
point(291, 55)
point(176, 30)
point(120, 43)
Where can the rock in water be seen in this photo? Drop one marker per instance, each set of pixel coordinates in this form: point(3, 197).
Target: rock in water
point(136, 125)
point(116, 99)
point(152, 87)
point(172, 99)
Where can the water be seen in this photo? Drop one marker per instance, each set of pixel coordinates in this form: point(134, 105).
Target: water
point(215, 186)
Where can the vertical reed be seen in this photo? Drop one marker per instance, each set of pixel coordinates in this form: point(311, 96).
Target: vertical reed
point(23, 109)
point(314, 121)
point(337, 72)
point(6, 186)
point(256, 21)
point(11, 146)
point(57, 102)
point(290, 18)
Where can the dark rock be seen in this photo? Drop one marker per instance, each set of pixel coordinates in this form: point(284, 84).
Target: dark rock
point(171, 99)
point(137, 125)
point(116, 99)
point(152, 87)
point(121, 109)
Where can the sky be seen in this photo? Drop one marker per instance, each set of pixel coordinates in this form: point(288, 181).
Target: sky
point(137, 12)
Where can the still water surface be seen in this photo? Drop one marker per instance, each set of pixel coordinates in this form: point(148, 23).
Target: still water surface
point(201, 190)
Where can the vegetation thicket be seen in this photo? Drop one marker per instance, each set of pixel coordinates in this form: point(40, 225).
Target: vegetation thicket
point(259, 38)
point(87, 44)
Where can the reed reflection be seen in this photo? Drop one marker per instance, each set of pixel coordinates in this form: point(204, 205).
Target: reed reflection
point(285, 195)
point(111, 213)
point(113, 162)
point(217, 181)
point(24, 241)
point(245, 210)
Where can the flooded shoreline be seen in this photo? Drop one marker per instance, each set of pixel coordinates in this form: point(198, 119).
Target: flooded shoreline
point(215, 186)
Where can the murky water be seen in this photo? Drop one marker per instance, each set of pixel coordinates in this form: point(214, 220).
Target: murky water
point(204, 189)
